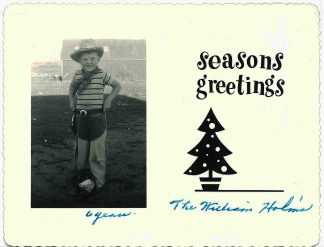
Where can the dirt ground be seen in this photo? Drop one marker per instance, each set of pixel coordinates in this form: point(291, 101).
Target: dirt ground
point(52, 145)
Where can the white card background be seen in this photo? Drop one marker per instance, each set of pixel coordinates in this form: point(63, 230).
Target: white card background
point(275, 141)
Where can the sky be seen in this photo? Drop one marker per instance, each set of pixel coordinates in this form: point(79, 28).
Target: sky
point(49, 51)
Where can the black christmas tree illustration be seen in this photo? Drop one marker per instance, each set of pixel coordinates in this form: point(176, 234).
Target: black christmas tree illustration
point(210, 152)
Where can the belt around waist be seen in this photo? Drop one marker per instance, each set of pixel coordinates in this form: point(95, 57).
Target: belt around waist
point(88, 112)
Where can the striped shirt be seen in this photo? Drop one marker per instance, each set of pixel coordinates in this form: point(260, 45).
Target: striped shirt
point(92, 96)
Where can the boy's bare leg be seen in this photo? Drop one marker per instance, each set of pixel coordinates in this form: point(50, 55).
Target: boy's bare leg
point(97, 159)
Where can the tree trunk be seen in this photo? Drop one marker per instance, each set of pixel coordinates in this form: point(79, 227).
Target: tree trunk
point(210, 173)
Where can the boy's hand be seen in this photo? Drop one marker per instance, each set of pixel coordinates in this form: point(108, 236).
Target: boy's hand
point(107, 105)
point(115, 90)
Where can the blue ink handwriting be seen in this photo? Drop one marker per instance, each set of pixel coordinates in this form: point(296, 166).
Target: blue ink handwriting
point(185, 205)
point(272, 206)
point(100, 215)
point(214, 206)
point(289, 206)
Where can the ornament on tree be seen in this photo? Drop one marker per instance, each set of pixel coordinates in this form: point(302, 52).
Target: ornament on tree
point(210, 152)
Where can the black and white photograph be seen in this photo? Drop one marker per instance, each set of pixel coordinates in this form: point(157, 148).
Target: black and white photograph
point(88, 125)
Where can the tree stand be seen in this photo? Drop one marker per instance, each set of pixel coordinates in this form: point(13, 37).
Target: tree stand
point(210, 186)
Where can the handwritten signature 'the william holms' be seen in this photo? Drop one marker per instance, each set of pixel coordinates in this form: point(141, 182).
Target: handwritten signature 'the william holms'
point(290, 206)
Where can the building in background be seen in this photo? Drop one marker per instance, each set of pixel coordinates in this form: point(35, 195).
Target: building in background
point(125, 60)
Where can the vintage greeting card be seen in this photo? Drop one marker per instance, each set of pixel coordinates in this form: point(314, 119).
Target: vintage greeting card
point(153, 125)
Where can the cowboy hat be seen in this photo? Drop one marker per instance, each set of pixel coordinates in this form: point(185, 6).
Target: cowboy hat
point(86, 45)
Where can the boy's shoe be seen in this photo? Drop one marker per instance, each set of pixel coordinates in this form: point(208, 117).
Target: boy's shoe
point(84, 186)
point(87, 185)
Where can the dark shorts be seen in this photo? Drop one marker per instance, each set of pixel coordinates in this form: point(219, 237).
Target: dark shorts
point(91, 126)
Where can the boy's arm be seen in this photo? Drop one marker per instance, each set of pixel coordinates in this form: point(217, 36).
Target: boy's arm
point(72, 95)
point(116, 88)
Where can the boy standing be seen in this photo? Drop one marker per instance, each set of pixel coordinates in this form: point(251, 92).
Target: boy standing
point(88, 103)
